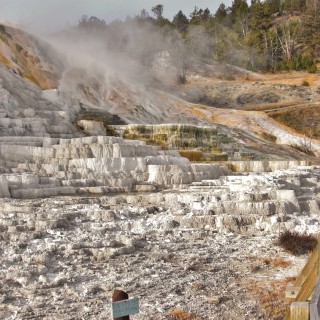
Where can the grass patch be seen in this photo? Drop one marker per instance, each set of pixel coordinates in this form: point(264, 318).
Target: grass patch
point(230, 78)
point(226, 77)
point(260, 264)
point(296, 243)
point(197, 112)
point(303, 120)
point(178, 314)
point(270, 295)
point(270, 106)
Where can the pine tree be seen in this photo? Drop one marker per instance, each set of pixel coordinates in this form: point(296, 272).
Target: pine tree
point(221, 15)
point(180, 22)
point(310, 35)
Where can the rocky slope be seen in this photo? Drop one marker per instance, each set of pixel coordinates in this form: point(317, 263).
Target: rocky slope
point(29, 57)
point(197, 249)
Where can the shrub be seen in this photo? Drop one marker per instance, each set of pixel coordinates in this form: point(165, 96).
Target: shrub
point(2, 28)
point(297, 63)
point(296, 243)
point(305, 83)
point(181, 79)
point(305, 147)
point(266, 263)
point(313, 69)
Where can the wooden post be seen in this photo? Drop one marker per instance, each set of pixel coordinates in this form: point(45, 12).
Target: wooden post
point(315, 301)
point(318, 252)
point(119, 295)
point(307, 284)
point(299, 311)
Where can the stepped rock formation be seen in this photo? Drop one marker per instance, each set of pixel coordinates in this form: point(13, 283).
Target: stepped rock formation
point(62, 257)
point(94, 165)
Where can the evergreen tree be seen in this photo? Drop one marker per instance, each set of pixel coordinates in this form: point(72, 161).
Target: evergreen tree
point(238, 9)
point(221, 15)
point(92, 24)
point(275, 6)
point(158, 11)
point(195, 16)
point(180, 22)
point(294, 6)
point(240, 18)
point(310, 35)
point(260, 22)
point(200, 17)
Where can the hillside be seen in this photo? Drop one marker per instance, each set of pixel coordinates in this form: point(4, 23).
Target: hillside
point(203, 100)
point(29, 57)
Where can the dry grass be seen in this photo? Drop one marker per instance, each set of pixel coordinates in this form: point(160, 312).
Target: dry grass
point(304, 120)
point(270, 106)
point(280, 263)
point(178, 314)
point(271, 296)
point(296, 243)
point(291, 78)
point(260, 264)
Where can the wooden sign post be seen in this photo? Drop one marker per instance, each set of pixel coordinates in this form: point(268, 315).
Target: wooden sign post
point(122, 306)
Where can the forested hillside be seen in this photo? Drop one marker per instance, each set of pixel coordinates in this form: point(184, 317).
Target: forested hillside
point(270, 35)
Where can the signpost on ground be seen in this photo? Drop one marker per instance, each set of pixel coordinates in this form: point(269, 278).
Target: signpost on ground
point(122, 306)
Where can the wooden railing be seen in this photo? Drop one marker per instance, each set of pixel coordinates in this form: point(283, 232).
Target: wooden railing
point(306, 291)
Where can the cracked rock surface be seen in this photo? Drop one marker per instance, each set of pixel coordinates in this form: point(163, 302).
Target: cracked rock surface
point(62, 257)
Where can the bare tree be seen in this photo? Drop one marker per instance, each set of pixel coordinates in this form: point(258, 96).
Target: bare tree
point(181, 55)
point(287, 36)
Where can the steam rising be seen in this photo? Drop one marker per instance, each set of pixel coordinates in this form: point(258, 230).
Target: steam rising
point(124, 51)
point(127, 51)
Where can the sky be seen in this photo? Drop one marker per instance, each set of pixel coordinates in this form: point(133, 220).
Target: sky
point(44, 16)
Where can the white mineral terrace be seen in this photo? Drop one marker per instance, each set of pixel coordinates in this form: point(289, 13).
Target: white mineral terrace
point(188, 247)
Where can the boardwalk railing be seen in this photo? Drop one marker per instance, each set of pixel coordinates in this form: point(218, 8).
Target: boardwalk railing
point(306, 291)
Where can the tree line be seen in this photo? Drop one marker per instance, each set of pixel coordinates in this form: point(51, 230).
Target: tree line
point(267, 35)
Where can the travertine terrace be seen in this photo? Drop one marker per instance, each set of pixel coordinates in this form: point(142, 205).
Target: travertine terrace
point(83, 212)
